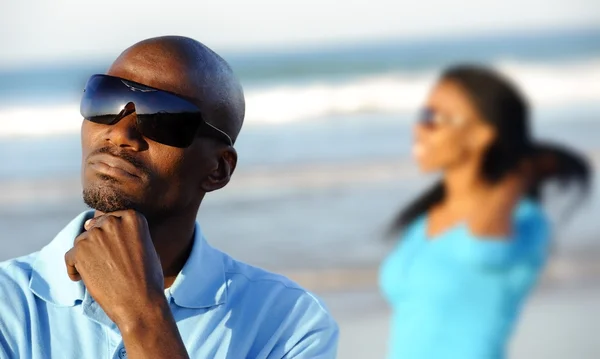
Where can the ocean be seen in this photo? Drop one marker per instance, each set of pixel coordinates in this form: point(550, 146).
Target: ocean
point(324, 153)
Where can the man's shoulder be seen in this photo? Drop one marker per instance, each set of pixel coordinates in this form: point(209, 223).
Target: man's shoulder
point(249, 277)
point(15, 275)
point(248, 280)
point(253, 275)
point(15, 296)
point(296, 319)
point(17, 271)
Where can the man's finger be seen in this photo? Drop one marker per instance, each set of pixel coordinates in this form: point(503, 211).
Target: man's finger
point(70, 259)
point(126, 215)
point(95, 222)
point(90, 223)
point(80, 238)
point(71, 268)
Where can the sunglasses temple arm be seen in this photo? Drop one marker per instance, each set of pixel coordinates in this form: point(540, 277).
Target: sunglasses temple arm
point(221, 132)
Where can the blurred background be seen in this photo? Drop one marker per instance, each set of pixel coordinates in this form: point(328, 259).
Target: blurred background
point(332, 89)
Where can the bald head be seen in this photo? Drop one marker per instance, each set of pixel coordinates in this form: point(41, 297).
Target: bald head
point(188, 68)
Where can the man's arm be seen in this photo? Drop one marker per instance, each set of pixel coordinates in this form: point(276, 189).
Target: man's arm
point(153, 334)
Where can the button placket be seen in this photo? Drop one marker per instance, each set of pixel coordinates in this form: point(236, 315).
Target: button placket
point(122, 353)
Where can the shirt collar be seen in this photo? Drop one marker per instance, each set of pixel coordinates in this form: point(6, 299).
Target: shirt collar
point(200, 284)
point(49, 278)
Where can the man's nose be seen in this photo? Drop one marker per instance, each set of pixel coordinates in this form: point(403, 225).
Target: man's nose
point(125, 134)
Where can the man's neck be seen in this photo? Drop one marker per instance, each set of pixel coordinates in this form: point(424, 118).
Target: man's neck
point(173, 240)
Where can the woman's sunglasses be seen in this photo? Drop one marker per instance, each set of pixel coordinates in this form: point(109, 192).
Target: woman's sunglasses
point(432, 119)
point(161, 116)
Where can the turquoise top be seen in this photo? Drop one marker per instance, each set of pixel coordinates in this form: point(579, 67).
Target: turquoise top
point(458, 295)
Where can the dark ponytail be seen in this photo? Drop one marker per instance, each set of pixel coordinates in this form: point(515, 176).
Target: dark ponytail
point(502, 106)
point(554, 162)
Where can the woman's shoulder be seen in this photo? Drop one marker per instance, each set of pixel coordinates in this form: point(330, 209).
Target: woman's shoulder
point(530, 239)
point(417, 226)
point(413, 231)
point(533, 227)
point(530, 213)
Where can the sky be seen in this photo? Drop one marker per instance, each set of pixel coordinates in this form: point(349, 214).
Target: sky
point(47, 31)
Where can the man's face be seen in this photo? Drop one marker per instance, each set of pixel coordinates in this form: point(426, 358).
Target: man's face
point(121, 169)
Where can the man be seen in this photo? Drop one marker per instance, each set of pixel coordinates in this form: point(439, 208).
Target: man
point(135, 278)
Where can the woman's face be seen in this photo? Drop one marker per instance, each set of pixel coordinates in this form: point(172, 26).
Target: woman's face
point(449, 132)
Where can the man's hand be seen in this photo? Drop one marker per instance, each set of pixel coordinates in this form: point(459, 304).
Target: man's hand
point(117, 261)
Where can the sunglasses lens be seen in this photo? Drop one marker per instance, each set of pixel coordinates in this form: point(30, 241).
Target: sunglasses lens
point(427, 118)
point(161, 116)
point(107, 95)
point(173, 130)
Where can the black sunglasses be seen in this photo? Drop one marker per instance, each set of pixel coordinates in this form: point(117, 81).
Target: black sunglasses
point(161, 116)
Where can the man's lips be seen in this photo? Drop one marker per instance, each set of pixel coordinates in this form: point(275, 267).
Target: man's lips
point(113, 166)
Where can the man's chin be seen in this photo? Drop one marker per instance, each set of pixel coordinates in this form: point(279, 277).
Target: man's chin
point(107, 200)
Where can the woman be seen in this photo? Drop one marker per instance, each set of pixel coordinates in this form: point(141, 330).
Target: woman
point(472, 246)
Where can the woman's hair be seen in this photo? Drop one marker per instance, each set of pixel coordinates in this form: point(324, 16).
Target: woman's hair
point(502, 106)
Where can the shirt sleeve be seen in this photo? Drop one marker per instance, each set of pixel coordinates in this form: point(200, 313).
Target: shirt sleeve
point(311, 333)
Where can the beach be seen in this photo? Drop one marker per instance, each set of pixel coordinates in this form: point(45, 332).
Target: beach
point(322, 225)
point(324, 166)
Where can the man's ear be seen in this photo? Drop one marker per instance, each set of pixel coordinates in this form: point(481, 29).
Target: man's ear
point(221, 175)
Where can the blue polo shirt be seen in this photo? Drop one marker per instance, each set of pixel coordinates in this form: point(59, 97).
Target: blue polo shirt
point(223, 309)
